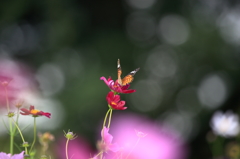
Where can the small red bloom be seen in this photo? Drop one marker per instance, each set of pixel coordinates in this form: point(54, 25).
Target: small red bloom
point(34, 112)
point(116, 87)
point(114, 101)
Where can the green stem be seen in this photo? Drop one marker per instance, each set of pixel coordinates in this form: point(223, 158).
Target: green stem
point(15, 128)
point(109, 119)
point(34, 133)
point(104, 122)
point(67, 149)
point(10, 123)
point(11, 136)
point(20, 132)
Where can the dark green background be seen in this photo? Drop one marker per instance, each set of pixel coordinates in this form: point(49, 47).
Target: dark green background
point(96, 31)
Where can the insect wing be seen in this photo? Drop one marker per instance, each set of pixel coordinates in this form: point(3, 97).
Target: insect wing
point(129, 78)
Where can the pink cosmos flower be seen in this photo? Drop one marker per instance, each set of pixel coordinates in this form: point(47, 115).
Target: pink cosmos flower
point(149, 141)
point(16, 78)
point(9, 156)
point(34, 112)
point(114, 101)
point(114, 86)
point(107, 141)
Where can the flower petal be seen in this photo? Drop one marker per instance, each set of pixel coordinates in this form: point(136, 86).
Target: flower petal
point(129, 91)
point(107, 138)
point(110, 96)
point(18, 156)
point(45, 114)
point(114, 147)
point(116, 98)
point(31, 107)
point(126, 86)
point(25, 111)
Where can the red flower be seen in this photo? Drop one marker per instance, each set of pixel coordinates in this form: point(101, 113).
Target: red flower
point(116, 87)
point(114, 101)
point(34, 112)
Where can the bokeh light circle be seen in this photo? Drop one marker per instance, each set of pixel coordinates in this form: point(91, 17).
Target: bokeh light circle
point(173, 29)
point(148, 96)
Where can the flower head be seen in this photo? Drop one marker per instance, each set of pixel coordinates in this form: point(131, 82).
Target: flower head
point(106, 144)
point(116, 87)
point(45, 138)
point(9, 156)
point(114, 101)
point(19, 104)
point(70, 135)
point(140, 134)
point(226, 125)
point(34, 112)
point(5, 80)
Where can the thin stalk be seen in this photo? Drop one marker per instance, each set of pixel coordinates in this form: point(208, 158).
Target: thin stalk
point(67, 149)
point(109, 119)
point(34, 133)
point(100, 153)
point(104, 122)
point(15, 128)
point(133, 147)
point(10, 123)
point(20, 132)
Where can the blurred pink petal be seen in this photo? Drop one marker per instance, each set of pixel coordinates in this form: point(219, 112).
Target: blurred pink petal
point(154, 143)
point(17, 78)
point(3, 155)
point(107, 139)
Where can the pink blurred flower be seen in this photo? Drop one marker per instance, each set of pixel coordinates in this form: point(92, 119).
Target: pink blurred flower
point(154, 143)
point(114, 86)
point(115, 102)
point(107, 138)
point(77, 149)
point(9, 156)
point(16, 78)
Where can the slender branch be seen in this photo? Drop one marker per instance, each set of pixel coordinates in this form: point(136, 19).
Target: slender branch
point(109, 119)
point(10, 123)
point(133, 147)
point(104, 122)
point(20, 132)
point(34, 133)
point(67, 149)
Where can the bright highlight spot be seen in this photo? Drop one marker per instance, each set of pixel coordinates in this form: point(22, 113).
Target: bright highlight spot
point(212, 91)
point(148, 97)
point(174, 29)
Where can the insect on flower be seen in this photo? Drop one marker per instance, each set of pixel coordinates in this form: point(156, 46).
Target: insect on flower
point(127, 79)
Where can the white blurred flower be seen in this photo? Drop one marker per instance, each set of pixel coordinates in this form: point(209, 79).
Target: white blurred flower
point(225, 124)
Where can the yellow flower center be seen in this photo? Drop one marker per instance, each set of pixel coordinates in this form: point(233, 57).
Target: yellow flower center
point(34, 111)
point(113, 103)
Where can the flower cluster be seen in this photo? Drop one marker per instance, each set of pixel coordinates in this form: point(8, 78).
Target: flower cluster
point(113, 98)
point(114, 103)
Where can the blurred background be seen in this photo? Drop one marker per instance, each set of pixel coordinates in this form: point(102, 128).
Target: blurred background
point(188, 54)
